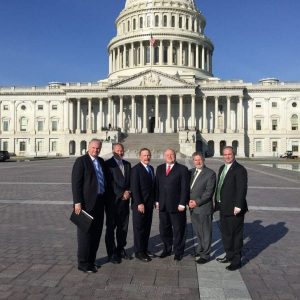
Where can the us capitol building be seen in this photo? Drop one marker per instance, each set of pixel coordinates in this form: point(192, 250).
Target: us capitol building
point(161, 82)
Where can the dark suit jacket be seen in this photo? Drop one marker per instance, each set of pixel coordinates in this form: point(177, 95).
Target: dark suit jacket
point(173, 189)
point(142, 186)
point(84, 181)
point(203, 191)
point(234, 189)
point(118, 183)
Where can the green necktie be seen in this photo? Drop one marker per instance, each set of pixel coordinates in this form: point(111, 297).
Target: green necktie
point(220, 183)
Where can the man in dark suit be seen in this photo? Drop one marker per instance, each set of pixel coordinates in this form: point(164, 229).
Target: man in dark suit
point(89, 186)
point(172, 195)
point(203, 182)
point(231, 201)
point(117, 205)
point(143, 199)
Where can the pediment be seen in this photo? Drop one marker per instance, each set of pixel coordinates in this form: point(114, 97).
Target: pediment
point(151, 79)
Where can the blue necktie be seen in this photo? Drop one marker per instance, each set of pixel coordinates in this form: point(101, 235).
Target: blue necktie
point(100, 177)
point(149, 171)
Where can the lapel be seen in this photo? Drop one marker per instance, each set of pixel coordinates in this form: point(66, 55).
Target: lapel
point(117, 168)
point(198, 177)
point(172, 170)
point(229, 171)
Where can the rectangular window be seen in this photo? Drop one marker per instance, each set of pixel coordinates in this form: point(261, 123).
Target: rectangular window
point(258, 124)
point(40, 125)
point(180, 22)
point(258, 146)
point(22, 146)
point(274, 104)
point(295, 146)
point(258, 104)
point(40, 107)
point(23, 124)
point(5, 107)
point(5, 125)
point(54, 107)
point(165, 55)
point(147, 55)
point(156, 55)
point(54, 125)
point(5, 146)
point(274, 146)
point(54, 146)
point(39, 146)
point(274, 124)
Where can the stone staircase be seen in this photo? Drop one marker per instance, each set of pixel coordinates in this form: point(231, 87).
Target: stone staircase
point(156, 142)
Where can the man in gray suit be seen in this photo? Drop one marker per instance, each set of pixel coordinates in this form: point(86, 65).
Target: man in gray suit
point(203, 182)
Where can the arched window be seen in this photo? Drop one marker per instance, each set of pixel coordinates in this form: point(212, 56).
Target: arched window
point(23, 124)
point(156, 20)
point(187, 23)
point(165, 21)
point(173, 21)
point(294, 122)
point(134, 24)
point(141, 22)
point(180, 22)
point(128, 25)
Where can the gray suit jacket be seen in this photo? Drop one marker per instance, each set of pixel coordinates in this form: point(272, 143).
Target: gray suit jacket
point(203, 191)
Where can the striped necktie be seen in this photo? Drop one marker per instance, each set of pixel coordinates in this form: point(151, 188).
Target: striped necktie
point(100, 176)
point(220, 183)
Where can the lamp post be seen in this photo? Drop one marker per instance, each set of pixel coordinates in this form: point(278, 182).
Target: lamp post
point(187, 136)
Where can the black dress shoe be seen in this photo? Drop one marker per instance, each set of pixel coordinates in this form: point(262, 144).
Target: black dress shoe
point(142, 257)
point(92, 269)
point(150, 254)
point(83, 269)
point(223, 260)
point(178, 257)
point(124, 255)
point(233, 267)
point(114, 259)
point(202, 261)
point(165, 254)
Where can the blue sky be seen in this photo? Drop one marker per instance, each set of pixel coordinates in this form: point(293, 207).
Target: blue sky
point(66, 40)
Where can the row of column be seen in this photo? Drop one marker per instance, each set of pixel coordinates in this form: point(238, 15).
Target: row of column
point(112, 114)
point(123, 56)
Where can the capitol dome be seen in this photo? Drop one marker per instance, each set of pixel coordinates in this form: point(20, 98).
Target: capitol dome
point(165, 35)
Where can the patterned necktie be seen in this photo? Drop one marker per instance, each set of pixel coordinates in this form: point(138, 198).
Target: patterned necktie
point(168, 170)
point(100, 177)
point(149, 171)
point(220, 183)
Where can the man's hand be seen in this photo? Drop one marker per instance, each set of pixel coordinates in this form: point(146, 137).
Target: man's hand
point(236, 211)
point(141, 208)
point(192, 204)
point(126, 195)
point(77, 208)
point(181, 208)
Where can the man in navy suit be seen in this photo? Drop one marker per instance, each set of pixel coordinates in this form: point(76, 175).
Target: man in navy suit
point(203, 182)
point(143, 197)
point(117, 205)
point(89, 187)
point(231, 201)
point(172, 195)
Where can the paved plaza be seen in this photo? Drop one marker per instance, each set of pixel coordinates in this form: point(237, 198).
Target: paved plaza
point(38, 243)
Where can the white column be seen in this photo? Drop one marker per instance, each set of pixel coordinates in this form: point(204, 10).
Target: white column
point(216, 128)
point(161, 47)
point(207, 60)
point(131, 63)
point(66, 116)
point(121, 122)
point(89, 129)
point(240, 116)
point(170, 58)
point(204, 126)
point(180, 54)
point(203, 58)
point(78, 127)
point(124, 56)
point(114, 114)
point(169, 123)
point(228, 116)
point(71, 118)
point(100, 124)
point(180, 112)
point(110, 62)
point(190, 55)
point(144, 129)
point(193, 112)
point(133, 115)
point(197, 56)
point(157, 129)
point(109, 116)
point(118, 59)
point(141, 54)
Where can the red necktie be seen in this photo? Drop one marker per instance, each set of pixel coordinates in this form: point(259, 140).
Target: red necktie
point(168, 170)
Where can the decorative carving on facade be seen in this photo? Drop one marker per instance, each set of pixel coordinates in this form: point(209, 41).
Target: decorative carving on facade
point(150, 80)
